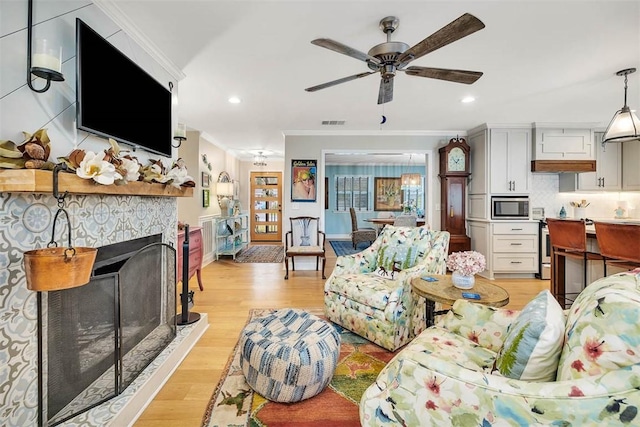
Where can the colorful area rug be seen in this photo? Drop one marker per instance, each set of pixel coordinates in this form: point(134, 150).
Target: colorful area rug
point(345, 247)
point(261, 253)
point(235, 404)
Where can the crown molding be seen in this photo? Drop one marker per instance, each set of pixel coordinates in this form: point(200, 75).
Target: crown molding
point(113, 11)
point(445, 133)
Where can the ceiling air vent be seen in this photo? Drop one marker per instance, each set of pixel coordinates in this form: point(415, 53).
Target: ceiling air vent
point(333, 123)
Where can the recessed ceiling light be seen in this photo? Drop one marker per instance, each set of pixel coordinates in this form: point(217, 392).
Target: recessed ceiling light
point(234, 100)
point(467, 99)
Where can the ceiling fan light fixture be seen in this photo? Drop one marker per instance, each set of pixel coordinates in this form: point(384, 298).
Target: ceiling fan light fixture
point(625, 125)
point(392, 56)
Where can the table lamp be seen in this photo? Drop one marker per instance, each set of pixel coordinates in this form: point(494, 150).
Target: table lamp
point(225, 195)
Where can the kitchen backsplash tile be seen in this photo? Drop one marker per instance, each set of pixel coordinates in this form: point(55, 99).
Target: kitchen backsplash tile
point(602, 205)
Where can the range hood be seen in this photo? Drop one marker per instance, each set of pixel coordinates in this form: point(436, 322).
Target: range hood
point(563, 147)
point(560, 166)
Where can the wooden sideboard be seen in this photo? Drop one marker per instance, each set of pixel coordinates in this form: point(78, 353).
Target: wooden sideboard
point(195, 254)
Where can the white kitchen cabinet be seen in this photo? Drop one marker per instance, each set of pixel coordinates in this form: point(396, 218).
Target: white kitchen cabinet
point(479, 181)
point(514, 247)
point(630, 162)
point(608, 174)
point(479, 234)
point(509, 161)
point(510, 247)
point(500, 161)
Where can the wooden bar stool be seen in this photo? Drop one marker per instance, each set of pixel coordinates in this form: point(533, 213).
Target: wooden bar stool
point(619, 244)
point(568, 239)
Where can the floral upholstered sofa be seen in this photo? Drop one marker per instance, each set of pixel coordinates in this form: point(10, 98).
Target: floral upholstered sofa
point(370, 292)
point(468, 369)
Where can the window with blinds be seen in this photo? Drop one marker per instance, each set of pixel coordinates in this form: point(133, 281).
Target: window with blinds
point(352, 191)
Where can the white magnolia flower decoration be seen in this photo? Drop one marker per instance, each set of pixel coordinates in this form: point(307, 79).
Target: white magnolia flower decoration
point(93, 166)
point(132, 167)
point(178, 175)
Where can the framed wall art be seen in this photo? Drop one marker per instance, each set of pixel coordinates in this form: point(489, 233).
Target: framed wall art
point(205, 198)
point(206, 180)
point(387, 194)
point(303, 180)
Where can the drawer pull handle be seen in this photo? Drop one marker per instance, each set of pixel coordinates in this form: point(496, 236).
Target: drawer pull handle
point(516, 262)
point(516, 229)
point(516, 244)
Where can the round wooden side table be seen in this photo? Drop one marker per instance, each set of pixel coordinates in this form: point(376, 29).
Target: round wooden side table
point(443, 291)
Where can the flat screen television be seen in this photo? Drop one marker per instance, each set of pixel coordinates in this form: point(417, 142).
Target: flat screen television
point(118, 99)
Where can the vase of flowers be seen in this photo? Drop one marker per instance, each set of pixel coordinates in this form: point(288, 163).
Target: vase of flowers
point(464, 266)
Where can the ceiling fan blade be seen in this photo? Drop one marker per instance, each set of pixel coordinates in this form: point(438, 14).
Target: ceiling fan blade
point(337, 82)
point(386, 90)
point(345, 50)
point(458, 76)
point(463, 26)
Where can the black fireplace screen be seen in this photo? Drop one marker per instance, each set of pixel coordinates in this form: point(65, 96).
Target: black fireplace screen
point(97, 338)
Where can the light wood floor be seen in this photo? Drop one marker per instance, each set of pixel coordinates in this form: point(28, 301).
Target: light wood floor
point(230, 290)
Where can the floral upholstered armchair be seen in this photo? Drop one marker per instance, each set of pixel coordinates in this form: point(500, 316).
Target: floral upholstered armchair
point(370, 292)
point(481, 366)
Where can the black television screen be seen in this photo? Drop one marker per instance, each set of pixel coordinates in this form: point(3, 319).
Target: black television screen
point(118, 99)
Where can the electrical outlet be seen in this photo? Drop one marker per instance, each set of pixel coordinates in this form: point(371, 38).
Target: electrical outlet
point(295, 206)
point(438, 206)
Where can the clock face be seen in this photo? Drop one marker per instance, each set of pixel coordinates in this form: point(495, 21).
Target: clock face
point(456, 161)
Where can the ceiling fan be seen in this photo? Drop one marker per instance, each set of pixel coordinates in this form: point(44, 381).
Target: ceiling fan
point(390, 57)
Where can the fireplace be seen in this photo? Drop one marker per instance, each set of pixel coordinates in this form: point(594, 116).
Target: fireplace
point(97, 338)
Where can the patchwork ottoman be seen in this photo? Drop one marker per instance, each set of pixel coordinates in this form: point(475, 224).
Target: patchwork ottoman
point(289, 355)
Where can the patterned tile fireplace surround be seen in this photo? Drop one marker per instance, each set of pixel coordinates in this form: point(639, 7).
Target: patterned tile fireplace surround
point(96, 220)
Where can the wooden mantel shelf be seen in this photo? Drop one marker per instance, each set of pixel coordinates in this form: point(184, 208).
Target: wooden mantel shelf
point(40, 181)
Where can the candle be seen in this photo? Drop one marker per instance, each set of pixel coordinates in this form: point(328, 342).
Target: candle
point(181, 131)
point(45, 57)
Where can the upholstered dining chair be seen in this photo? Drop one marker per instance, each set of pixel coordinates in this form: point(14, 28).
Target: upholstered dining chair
point(406, 221)
point(304, 239)
point(360, 234)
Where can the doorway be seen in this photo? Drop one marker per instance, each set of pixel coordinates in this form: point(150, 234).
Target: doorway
point(266, 206)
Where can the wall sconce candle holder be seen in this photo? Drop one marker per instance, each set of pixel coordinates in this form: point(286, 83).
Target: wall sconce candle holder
point(47, 62)
point(180, 134)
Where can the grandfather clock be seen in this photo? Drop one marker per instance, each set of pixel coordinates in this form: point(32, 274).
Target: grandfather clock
point(454, 171)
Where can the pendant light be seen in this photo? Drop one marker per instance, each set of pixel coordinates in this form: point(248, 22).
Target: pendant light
point(624, 125)
point(260, 159)
point(410, 180)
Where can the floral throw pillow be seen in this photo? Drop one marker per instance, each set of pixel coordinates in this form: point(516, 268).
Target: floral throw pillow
point(486, 326)
point(532, 347)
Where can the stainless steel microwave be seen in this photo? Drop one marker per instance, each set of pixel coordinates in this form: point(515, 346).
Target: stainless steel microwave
point(510, 208)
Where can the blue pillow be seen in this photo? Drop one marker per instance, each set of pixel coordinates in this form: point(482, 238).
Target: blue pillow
point(533, 343)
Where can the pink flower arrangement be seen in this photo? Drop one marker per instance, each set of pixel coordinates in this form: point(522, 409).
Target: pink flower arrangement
point(466, 263)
